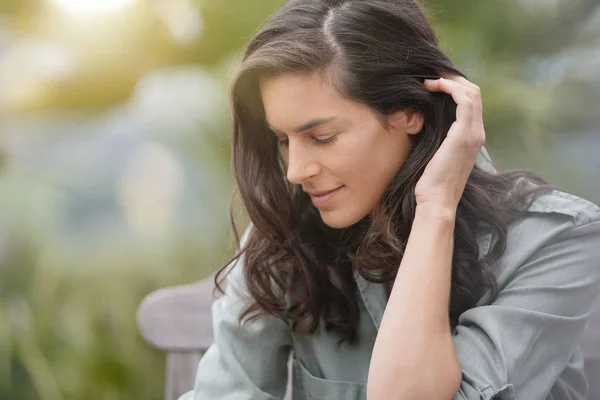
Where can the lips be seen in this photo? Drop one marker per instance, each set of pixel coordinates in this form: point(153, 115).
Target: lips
point(321, 198)
point(322, 193)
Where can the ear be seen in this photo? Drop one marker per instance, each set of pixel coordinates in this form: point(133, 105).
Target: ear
point(408, 121)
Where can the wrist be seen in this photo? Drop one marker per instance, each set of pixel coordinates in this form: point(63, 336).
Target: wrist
point(437, 212)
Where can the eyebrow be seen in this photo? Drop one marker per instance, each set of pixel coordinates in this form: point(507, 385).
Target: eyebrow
point(308, 125)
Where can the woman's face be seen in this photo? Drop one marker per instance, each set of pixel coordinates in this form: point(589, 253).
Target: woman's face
point(337, 149)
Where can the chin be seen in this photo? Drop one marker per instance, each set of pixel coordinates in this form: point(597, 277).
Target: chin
point(338, 219)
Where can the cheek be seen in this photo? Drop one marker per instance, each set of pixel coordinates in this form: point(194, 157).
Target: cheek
point(351, 163)
point(373, 161)
point(357, 151)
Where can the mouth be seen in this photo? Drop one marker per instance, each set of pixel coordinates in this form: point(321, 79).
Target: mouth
point(320, 198)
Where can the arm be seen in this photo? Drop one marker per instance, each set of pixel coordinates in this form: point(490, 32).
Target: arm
point(518, 346)
point(414, 356)
point(245, 362)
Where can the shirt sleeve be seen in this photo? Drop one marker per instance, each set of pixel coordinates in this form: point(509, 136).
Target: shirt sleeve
point(244, 362)
point(518, 346)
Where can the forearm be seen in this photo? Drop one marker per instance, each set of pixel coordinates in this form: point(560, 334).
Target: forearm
point(414, 355)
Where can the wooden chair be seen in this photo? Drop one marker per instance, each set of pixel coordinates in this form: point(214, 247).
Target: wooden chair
point(178, 321)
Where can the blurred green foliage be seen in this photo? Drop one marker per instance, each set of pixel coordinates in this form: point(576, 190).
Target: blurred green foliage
point(78, 251)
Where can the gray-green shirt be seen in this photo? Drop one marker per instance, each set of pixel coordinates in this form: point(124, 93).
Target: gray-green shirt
point(523, 345)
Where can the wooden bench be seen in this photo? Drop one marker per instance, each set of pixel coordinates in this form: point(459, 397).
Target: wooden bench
point(177, 320)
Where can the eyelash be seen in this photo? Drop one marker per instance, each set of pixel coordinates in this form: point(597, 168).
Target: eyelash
point(318, 142)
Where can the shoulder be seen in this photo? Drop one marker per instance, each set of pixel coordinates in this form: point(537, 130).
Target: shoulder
point(558, 227)
point(559, 204)
point(555, 218)
point(552, 217)
point(551, 214)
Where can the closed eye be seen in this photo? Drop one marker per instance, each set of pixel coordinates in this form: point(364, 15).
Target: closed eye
point(318, 142)
point(321, 142)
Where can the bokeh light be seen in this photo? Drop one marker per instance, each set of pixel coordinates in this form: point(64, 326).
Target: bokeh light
point(85, 8)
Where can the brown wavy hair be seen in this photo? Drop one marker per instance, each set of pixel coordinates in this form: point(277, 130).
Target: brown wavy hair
point(377, 53)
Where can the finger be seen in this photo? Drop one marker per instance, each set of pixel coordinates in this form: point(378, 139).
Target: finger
point(465, 106)
point(474, 93)
point(459, 91)
point(458, 78)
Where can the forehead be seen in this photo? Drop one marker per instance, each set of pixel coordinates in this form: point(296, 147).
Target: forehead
point(292, 99)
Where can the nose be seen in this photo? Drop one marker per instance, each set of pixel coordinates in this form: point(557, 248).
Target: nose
point(301, 163)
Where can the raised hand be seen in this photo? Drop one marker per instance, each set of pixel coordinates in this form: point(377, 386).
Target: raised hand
point(443, 181)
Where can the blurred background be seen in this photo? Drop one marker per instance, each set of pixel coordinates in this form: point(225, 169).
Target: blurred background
point(114, 158)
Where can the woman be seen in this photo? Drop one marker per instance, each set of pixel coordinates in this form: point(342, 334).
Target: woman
point(385, 252)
